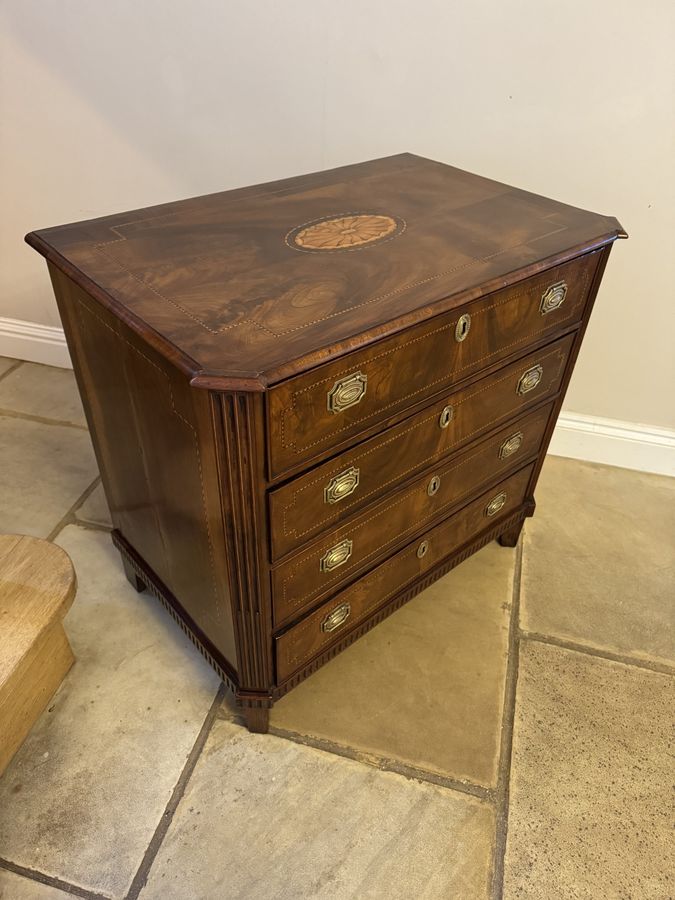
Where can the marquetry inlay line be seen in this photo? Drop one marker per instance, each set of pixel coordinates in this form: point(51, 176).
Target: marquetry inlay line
point(82, 307)
point(104, 248)
point(347, 231)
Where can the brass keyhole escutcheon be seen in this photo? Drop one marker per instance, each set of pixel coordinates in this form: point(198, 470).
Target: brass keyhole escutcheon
point(446, 416)
point(462, 328)
point(433, 486)
point(422, 549)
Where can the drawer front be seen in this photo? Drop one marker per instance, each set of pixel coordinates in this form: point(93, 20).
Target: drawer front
point(311, 503)
point(356, 603)
point(330, 561)
point(312, 413)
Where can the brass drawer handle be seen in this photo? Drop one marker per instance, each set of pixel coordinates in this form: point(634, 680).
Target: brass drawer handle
point(341, 485)
point(553, 297)
point(347, 392)
point(433, 486)
point(511, 445)
point(336, 556)
point(338, 617)
point(495, 504)
point(529, 380)
point(422, 549)
point(446, 416)
point(462, 327)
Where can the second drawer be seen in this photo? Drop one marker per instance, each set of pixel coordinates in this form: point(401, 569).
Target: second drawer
point(327, 563)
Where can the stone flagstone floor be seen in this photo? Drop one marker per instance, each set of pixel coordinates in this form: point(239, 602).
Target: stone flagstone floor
point(543, 768)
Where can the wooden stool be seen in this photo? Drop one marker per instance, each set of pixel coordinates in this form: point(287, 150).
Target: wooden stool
point(37, 587)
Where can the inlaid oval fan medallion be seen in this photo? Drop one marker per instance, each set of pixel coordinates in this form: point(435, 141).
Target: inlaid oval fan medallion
point(350, 231)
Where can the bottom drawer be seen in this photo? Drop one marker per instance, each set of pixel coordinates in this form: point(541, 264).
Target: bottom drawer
point(350, 607)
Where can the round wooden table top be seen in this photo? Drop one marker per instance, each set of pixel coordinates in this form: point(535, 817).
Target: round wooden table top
point(37, 586)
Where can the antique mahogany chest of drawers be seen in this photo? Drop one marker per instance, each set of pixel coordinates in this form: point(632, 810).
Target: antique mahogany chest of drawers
point(311, 398)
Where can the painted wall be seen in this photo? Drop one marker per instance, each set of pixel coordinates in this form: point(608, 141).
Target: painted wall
point(110, 106)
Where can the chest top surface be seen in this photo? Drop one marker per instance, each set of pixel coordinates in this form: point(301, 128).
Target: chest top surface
point(246, 287)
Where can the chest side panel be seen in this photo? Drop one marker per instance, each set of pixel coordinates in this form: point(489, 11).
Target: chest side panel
point(153, 438)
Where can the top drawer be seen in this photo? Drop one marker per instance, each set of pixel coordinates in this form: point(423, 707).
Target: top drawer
point(327, 406)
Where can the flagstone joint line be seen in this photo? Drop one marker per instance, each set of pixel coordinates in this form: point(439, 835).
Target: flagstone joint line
point(51, 881)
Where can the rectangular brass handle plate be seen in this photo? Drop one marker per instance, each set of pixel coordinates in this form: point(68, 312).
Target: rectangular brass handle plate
point(529, 380)
point(347, 392)
point(553, 297)
point(341, 485)
point(336, 556)
point(338, 617)
point(511, 445)
point(495, 505)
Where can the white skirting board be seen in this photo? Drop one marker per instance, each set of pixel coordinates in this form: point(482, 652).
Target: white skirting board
point(646, 448)
point(629, 445)
point(36, 343)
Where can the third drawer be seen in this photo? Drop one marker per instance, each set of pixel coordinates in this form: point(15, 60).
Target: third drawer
point(330, 561)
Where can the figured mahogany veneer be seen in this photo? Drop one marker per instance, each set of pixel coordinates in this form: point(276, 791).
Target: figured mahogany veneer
point(419, 362)
point(311, 398)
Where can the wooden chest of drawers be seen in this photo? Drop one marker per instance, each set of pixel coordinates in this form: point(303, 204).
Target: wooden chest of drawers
point(309, 399)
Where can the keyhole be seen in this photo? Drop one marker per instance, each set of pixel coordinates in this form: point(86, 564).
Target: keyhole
point(462, 327)
point(433, 486)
